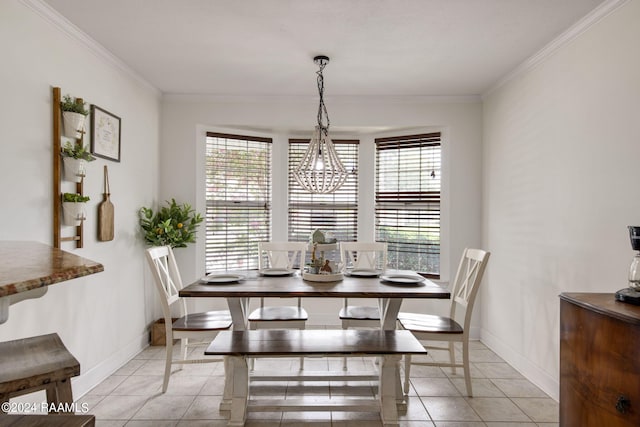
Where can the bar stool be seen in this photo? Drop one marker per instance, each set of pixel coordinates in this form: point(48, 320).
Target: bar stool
point(38, 363)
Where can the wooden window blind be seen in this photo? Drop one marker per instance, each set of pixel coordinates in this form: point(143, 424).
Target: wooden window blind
point(407, 201)
point(336, 212)
point(238, 195)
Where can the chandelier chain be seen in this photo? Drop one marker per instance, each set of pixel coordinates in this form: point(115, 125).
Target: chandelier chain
point(322, 108)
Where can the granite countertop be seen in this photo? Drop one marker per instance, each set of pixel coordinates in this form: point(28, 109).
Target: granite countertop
point(29, 265)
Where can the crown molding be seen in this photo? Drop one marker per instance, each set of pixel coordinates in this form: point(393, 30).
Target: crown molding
point(597, 14)
point(189, 98)
point(69, 29)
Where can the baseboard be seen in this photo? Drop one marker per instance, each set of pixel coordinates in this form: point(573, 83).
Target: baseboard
point(94, 376)
point(533, 373)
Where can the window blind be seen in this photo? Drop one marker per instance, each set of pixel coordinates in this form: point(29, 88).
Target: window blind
point(238, 195)
point(336, 212)
point(407, 201)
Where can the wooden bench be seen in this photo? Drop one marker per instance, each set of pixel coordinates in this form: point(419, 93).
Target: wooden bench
point(53, 420)
point(240, 345)
point(37, 363)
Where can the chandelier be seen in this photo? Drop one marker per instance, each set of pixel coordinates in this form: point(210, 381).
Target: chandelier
point(320, 170)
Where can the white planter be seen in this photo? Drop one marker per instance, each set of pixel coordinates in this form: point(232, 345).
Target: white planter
point(74, 169)
point(73, 213)
point(73, 124)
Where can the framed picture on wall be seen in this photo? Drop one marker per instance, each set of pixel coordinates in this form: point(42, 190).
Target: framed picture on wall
point(105, 134)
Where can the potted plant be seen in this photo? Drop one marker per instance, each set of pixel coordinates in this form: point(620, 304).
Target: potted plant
point(173, 225)
point(73, 117)
point(73, 212)
point(75, 157)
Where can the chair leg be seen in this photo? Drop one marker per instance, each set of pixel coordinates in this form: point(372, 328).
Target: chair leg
point(52, 395)
point(407, 371)
point(252, 361)
point(345, 325)
point(465, 363)
point(302, 357)
point(64, 392)
point(167, 366)
point(184, 343)
point(452, 357)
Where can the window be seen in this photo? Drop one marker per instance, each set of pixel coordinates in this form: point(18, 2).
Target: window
point(336, 212)
point(408, 201)
point(238, 195)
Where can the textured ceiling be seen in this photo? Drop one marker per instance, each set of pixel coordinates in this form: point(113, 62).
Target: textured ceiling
point(377, 47)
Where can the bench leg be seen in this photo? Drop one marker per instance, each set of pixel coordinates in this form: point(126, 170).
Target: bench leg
point(388, 390)
point(240, 394)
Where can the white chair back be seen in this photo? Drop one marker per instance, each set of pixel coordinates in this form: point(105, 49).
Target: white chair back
point(371, 255)
point(166, 278)
point(281, 254)
point(467, 282)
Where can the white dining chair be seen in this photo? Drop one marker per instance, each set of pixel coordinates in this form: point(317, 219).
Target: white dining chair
point(361, 255)
point(192, 329)
point(455, 327)
point(281, 255)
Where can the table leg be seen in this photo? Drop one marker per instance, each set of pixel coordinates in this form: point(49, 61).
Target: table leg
point(238, 308)
point(225, 403)
point(240, 394)
point(388, 391)
point(389, 309)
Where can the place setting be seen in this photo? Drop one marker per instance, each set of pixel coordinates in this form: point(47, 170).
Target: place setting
point(276, 272)
point(403, 279)
point(222, 278)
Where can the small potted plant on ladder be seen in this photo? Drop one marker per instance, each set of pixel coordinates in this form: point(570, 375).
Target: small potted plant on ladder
point(74, 158)
point(73, 212)
point(74, 115)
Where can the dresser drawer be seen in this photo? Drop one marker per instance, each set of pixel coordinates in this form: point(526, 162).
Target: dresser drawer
point(599, 368)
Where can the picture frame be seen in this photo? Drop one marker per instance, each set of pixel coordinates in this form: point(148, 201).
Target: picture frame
point(105, 134)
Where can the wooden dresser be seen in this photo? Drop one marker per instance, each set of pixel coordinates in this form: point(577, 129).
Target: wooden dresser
point(599, 361)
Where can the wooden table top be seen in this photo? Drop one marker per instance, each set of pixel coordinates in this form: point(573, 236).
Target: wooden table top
point(29, 265)
point(273, 342)
point(294, 286)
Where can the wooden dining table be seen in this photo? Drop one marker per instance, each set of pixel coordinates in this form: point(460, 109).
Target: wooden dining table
point(252, 284)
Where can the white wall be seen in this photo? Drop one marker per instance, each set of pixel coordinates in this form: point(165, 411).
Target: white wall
point(102, 318)
point(561, 183)
point(185, 120)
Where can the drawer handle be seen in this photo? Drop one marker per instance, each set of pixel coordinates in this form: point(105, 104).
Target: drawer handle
point(623, 404)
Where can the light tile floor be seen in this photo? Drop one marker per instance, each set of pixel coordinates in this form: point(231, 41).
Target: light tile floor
point(502, 397)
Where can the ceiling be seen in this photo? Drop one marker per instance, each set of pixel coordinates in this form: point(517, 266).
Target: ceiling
point(377, 47)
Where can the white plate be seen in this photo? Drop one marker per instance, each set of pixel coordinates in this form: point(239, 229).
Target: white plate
point(222, 278)
point(363, 272)
point(276, 272)
point(405, 279)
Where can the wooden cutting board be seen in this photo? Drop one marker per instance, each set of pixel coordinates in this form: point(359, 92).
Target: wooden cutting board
point(105, 212)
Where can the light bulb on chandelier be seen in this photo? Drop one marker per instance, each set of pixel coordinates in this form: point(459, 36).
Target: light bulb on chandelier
point(320, 170)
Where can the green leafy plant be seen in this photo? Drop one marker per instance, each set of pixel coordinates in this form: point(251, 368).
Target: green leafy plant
point(76, 151)
point(173, 225)
point(69, 104)
point(74, 197)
